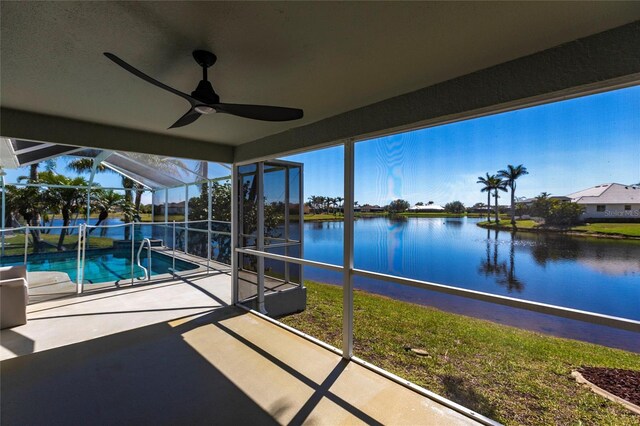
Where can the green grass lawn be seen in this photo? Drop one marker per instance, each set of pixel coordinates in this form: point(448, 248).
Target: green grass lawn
point(146, 217)
point(629, 229)
point(513, 376)
point(340, 216)
point(613, 229)
point(319, 217)
point(15, 245)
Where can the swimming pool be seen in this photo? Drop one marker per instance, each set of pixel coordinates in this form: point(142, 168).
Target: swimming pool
point(100, 265)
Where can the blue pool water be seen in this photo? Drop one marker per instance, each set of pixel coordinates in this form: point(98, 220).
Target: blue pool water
point(100, 265)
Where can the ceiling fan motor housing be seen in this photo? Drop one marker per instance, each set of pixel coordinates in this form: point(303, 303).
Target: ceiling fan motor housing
point(205, 93)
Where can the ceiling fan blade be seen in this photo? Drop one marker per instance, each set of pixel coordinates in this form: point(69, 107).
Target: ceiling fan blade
point(260, 112)
point(188, 118)
point(148, 79)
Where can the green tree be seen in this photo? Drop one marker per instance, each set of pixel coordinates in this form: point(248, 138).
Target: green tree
point(69, 199)
point(563, 213)
point(340, 203)
point(28, 202)
point(541, 205)
point(84, 165)
point(220, 211)
point(398, 206)
point(105, 201)
point(167, 165)
point(509, 177)
point(455, 207)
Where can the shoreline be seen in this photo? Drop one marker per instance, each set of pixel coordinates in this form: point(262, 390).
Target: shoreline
point(569, 232)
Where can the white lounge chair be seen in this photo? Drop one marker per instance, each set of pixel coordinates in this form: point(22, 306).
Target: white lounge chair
point(14, 296)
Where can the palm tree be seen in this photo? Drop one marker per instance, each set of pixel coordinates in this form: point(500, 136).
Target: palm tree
point(509, 176)
point(488, 183)
point(83, 165)
point(69, 199)
point(497, 184)
point(105, 201)
point(164, 164)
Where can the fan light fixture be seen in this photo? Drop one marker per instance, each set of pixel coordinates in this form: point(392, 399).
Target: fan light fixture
point(203, 109)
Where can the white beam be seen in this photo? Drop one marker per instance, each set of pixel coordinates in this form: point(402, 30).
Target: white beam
point(34, 126)
point(260, 235)
point(33, 148)
point(347, 277)
point(96, 162)
point(51, 156)
point(120, 171)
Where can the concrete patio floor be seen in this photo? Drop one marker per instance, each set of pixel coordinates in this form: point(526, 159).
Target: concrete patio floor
point(175, 353)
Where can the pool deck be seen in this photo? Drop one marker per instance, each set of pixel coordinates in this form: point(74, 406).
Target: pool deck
point(174, 352)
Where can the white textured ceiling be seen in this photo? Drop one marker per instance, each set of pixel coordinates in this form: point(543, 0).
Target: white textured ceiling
point(324, 57)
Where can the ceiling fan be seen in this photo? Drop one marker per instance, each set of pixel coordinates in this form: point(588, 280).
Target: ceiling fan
point(204, 100)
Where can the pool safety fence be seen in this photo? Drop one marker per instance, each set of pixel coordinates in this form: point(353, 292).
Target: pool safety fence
point(117, 251)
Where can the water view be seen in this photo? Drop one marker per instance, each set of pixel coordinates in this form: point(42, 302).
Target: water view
point(598, 275)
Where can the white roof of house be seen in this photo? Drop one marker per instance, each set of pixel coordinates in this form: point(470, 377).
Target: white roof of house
point(427, 207)
point(607, 193)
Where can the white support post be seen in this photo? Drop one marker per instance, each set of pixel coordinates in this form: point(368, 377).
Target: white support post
point(79, 262)
point(88, 208)
point(260, 235)
point(84, 254)
point(4, 215)
point(82, 249)
point(132, 251)
point(347, 280)
point(173, 264)
point(301, 218)
point(208, 225)
point(26, 243)
point(166, 216)
point(186, 219)
point(235, 202)
point(287, 278)
point(88, 204)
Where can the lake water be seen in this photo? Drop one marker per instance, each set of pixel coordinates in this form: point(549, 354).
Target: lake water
point(598, 275)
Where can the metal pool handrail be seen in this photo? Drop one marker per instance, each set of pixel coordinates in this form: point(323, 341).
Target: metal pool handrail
point(147, 274)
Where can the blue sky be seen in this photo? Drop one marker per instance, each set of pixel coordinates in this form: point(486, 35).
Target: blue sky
point(566, 146)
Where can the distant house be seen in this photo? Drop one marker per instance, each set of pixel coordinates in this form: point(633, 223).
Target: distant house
point(529, 201)
point(172, 208)
point(429, 207)
point(368, 208)
point(609, 200)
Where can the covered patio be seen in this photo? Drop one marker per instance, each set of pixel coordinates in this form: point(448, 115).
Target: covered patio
point(177, 352)
point(201, 348)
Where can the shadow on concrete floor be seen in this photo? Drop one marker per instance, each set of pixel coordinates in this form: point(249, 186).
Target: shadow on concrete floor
point(16, 342)
point(149, 375)
point(143, 376)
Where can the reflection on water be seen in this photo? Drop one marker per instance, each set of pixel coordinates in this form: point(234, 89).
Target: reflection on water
point(597, 275)
point(504, 272)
